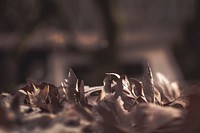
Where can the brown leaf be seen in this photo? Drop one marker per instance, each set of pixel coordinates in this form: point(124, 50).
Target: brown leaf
point(31, 98)
point(71, 80)
point(106, 113)
point(118, 88)
point(35, 89)
point(148, 84)
point(82, 97)
point(84, 113)
point(180, 103)
point(127, 89)
point(55, 105)
point(93, 94)
point(169, 91)
point(71, 84)
point(137, 89)
point(150, 117)
point(43, 94)
point(107, 84)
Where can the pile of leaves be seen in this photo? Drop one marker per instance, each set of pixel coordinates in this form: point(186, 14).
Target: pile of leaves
point(120, 105)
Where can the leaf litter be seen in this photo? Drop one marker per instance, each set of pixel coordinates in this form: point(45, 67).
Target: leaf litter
point(120, 105)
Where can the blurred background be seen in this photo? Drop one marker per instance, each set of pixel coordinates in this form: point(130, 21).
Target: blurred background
point(41, 40)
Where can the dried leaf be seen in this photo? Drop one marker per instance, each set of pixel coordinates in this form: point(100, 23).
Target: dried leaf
point(118, 89)
point(137, 88)
point(84, 113)
point(43, 94)
point(169, 91)
point(148, 84)
point(71, 80)
point(106, 113)
point(82, 97)
point(107, 84)
point(71, 84)
point(126, 105)
point(180, 102)
point(35, 89)
point(150, 117)
point(127, 87)
point(31, 98)
point(114, 74)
